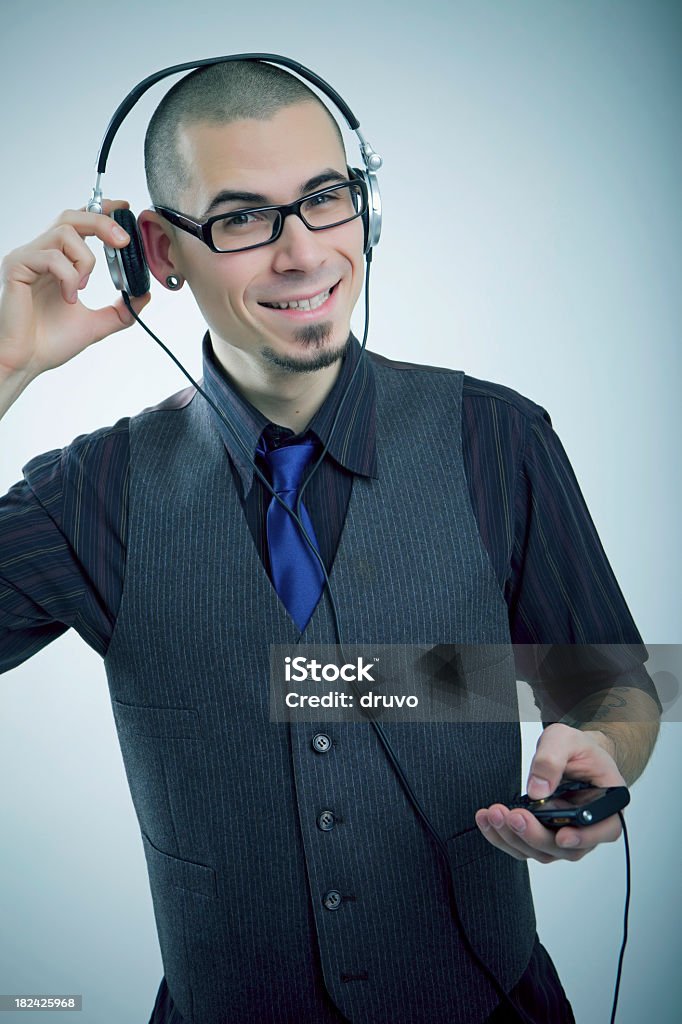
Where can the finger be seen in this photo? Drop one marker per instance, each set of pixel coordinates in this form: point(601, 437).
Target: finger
point(590, 836)
point(521, 834)
point(73, 246)
point(98, 225)
point(116, 317)
point(45, 262)
point(482, 819)
point(496, 837)
point(548, 766)
point(564, 751)
point(492, 834)
point(530, 839)
point(64, 256)
point(110, 204)
point(23, 265)
point(539, 842)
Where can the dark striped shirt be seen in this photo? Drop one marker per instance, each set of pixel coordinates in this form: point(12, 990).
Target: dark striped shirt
point(63, 537)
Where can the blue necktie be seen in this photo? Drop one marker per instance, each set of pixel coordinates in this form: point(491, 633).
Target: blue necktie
point(296, 573)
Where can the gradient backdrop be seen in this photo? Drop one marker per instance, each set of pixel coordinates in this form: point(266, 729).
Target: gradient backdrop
point(532, 162)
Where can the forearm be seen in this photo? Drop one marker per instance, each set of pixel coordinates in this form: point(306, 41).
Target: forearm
point(627, 719)
point(11, 386)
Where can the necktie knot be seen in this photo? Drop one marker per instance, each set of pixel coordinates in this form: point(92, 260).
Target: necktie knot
point(288, 465)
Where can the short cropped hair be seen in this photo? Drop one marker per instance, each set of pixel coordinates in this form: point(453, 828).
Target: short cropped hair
point(220, 93)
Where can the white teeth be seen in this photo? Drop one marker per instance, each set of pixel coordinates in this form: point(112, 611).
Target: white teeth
point(313, 303)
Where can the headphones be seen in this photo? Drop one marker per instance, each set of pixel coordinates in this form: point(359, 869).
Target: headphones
point(128, 266)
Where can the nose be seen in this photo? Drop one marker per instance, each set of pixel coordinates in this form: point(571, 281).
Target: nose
point(298, 248)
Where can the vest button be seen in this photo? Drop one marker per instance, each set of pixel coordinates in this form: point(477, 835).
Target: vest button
point(326, 821)
point(332, 899)
point(321, 743)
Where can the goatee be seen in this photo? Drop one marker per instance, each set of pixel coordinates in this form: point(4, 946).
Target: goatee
point(315, 356)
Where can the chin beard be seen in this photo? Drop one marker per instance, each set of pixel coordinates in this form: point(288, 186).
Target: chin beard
point(315, 355)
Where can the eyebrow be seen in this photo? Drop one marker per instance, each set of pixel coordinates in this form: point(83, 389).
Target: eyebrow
point(328, 176)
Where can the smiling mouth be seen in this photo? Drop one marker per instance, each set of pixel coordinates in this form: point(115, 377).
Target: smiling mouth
point(304, 304)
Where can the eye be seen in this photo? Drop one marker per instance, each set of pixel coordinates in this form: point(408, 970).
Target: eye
point(239, 220)
point(322, 200)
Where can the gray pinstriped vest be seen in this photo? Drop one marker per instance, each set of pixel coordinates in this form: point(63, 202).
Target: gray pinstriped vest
point(228, 802)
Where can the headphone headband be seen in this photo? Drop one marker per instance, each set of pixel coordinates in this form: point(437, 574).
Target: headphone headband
point(135, 94)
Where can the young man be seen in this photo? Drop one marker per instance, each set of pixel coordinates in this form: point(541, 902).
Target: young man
point(291, 877)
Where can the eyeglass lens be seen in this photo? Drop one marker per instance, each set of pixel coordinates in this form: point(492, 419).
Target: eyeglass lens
point(326, 209)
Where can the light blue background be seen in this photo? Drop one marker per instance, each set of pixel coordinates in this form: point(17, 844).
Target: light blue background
point(532, 227)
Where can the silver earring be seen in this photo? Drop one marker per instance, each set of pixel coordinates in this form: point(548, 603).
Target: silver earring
point(173, 282)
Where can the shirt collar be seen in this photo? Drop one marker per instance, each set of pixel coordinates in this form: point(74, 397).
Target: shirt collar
point(353, 443)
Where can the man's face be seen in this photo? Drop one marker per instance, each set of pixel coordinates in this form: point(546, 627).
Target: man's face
point(278, 159)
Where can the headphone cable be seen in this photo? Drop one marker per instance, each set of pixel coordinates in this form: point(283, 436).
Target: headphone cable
point(625, 917)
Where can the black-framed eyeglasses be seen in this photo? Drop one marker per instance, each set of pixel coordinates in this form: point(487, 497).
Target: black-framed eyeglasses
point(247, 229)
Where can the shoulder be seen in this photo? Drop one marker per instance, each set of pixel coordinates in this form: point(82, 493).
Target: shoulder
point(382, 362)
point(482, 397)
point(174, 403)
point(157, 422)
point(95, 458)
point(505, 399)
point(90, 461)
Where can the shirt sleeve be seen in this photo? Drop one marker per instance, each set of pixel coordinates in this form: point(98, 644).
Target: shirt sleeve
point(62, 546)
point(567, 612)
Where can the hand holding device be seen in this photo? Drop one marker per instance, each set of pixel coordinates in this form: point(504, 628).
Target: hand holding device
point(575, 803)
point(562, 753)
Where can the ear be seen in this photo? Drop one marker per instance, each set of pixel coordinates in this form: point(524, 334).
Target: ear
point(159, 246)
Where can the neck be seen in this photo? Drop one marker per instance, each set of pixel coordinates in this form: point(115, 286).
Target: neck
point(288, 398)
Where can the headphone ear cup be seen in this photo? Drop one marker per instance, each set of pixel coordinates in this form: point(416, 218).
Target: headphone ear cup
point(133, 265)
point(371, 218)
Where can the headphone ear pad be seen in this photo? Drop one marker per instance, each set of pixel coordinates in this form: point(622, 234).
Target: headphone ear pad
point(357, 173)
point(133, 262)
point(371, 218)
